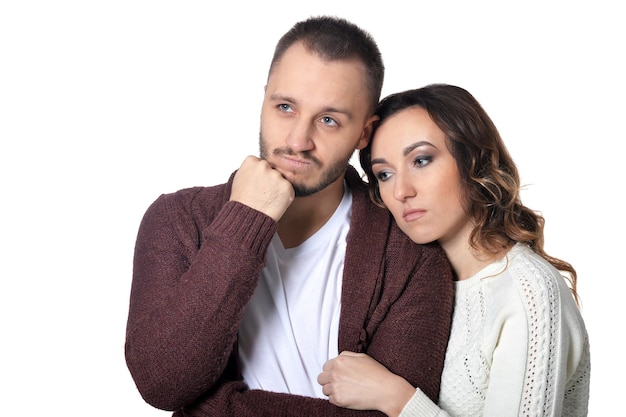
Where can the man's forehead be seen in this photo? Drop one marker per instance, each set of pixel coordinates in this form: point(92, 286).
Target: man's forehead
point(304, 77)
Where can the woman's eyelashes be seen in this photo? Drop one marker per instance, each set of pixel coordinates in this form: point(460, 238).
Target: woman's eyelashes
point(419, 161)
point(422, 160)
point(382, 175)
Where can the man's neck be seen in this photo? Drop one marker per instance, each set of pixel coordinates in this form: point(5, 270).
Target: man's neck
point(307, 215)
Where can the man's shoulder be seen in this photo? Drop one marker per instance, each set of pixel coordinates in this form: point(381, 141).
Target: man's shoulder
point(354, 179)
point(200, 191)
point(195, 198)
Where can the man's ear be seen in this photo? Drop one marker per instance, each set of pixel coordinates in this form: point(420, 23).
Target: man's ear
point(366, 135)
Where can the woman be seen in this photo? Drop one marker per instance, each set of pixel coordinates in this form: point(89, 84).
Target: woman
point(518, 345)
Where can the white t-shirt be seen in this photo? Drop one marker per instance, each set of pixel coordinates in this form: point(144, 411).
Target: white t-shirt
point(290, 326)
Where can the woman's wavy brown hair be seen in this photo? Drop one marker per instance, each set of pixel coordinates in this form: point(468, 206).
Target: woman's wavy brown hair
point(489, 177)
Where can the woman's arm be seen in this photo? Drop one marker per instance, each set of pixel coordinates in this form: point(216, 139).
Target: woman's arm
point(356, 381)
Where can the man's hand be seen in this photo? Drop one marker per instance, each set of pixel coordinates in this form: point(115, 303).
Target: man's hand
point(258, 185)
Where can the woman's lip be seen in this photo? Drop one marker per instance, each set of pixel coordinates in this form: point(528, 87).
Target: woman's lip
point(413, 214)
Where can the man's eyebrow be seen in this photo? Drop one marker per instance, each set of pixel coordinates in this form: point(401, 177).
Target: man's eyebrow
point(280, 97)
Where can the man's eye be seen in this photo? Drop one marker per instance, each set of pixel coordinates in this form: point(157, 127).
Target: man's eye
point(285, 108)
point(329, 121)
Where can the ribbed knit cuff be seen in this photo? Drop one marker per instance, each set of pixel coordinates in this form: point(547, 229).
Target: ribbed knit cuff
point(244, 224)
point(421, 406)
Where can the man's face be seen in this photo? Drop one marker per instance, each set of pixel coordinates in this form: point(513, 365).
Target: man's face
point(314, 115)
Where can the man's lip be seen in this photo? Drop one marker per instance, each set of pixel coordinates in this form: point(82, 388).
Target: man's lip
point(295, 162)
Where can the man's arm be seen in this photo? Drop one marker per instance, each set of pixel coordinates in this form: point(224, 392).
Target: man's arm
point(412, 338)
point(232, 398)
point(407, 329)
point(191, 282)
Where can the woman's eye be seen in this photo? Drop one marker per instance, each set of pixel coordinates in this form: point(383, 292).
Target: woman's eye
point(421, 160)
point(382, 176)
point(329, 121)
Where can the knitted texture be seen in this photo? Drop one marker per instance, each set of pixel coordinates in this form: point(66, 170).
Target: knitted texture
point(197, 263)
point(518, 345)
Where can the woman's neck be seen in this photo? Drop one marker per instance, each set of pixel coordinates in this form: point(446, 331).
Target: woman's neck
point(465, 260)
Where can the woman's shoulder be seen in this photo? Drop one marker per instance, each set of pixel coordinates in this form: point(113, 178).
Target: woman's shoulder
point(519, 281)
point(539, 287)
point(530, 271)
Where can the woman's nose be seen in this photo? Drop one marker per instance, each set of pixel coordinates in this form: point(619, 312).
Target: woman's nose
point(403, 187)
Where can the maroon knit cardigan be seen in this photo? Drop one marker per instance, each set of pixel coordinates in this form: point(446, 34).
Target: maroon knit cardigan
point(196, 264)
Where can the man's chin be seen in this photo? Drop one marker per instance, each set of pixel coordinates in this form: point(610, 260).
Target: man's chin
point(304, 190)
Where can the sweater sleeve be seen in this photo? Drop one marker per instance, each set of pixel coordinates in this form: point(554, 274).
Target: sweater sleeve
point(421, 406)
point(190, 286)
point(540, 349)
point(531, 351)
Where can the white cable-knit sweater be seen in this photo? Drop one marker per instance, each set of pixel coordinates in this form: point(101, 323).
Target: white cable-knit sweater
point(518, 345)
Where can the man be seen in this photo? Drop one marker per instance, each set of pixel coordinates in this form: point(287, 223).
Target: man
point(242, 291)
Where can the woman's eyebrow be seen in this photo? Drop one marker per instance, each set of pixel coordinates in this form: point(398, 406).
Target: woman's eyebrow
point(408, 149)
point(405, 151)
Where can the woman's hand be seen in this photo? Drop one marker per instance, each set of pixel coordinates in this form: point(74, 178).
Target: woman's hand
point(356, 381)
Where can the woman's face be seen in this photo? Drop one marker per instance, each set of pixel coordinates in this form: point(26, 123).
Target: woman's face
point(419, 179)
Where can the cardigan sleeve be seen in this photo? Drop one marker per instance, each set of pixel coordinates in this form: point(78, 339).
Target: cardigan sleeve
point(190, 286)
point(233, 398)
point(407, 332)
point(410, 336)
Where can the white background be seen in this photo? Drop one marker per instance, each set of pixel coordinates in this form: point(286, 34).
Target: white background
point(106, 104)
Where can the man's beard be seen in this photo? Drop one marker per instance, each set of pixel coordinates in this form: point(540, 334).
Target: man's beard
point(329, 175)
